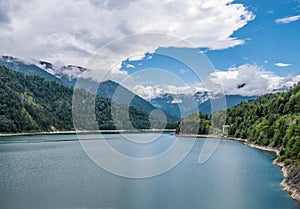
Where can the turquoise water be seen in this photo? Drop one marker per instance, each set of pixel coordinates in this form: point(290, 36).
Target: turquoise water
point(52, 171)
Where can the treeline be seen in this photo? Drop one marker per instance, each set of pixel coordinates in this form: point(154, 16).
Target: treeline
point(271, 120)
point(196, 123)
point(31, 103)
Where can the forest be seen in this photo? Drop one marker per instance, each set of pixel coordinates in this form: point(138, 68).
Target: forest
point(32, 104)
point(271, 120)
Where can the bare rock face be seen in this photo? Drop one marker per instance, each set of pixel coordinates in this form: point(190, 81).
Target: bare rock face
point(292, 181)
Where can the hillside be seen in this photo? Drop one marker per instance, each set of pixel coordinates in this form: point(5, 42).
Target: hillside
point(27, 68)
point(67, 75)
point(231, 100)
point(272, 120)
point(108, 89)
point(31, 103)
point(196, 123)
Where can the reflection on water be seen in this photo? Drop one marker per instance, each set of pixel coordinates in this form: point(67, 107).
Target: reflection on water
point(52, 171)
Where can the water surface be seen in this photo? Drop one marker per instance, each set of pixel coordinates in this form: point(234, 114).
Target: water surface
point(52, 171)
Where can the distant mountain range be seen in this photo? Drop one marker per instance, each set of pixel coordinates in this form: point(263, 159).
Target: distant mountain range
point(175, 106)
point(184, 105)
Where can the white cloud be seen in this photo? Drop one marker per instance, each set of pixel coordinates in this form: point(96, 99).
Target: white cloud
point(73, 30)
point(147, 92)
point(71, 72)
point(130, 66)
point(248, 77)
point(49, 70)
point(280, 64)
point(183, 71)
point(150, 92)
point(176, 101)
point(286, 20)
point(251, 80)
point(171, 89)
point(245, 80)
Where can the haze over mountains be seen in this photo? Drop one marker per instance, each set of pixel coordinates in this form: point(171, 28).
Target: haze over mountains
point(175, 105)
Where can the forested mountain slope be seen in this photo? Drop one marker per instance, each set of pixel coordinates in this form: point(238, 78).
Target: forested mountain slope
point(67, 75)
point(272, 120)
point(31, 103)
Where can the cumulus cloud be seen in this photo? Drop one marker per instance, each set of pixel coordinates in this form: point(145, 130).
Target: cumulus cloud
point(73, 30)
point(244, 80)
point(251, 80)
point(286, 20)
point(150, 92)
point(280, 64)
point(147, 92)
point(3, 15)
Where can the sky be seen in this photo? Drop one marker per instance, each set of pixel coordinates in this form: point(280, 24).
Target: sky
point(155, 47)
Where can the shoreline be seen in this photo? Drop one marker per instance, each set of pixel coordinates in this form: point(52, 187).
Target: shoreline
point(284, 170)
point(288, 188)
point(86, 132)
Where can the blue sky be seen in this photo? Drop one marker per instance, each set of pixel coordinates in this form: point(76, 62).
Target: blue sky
point(252, 42)
point(267, 42)
point(272, 46)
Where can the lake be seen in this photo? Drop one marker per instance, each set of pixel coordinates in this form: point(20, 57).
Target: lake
point(53, 171)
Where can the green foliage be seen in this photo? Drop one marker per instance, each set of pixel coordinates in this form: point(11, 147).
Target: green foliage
point(287, 162)
point(271, 120)
point(196, 123)
point(31, 103)
point(218, 119)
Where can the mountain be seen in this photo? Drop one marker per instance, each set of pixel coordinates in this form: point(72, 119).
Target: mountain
point(120, 94)
point(180, 104)
point(184, 105)
point(272, 120)
point(63, 74)
point(67, 75)
point(166, 103)
point(27, 68)
point(30, 103)
point(231, 100)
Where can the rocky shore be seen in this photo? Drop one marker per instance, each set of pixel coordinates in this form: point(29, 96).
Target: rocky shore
point(291, 182)
point(291, 173)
